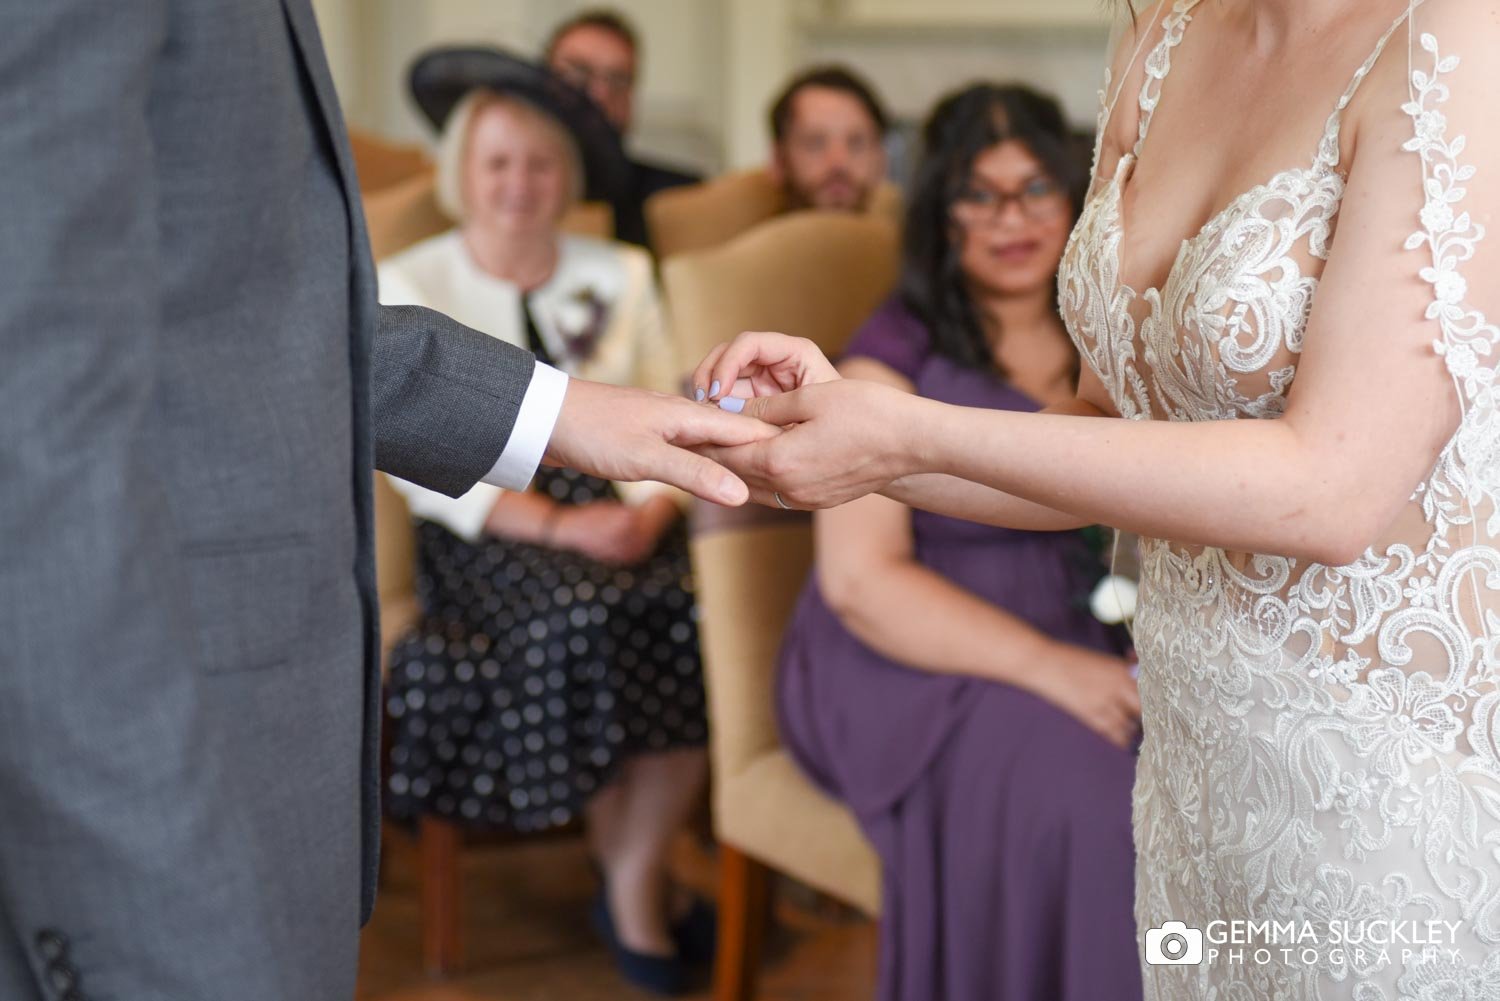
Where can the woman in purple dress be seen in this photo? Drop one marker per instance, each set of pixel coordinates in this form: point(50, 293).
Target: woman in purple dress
point(945, 679)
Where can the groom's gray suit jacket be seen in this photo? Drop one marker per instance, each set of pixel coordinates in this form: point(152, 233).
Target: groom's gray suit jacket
point(196, 382)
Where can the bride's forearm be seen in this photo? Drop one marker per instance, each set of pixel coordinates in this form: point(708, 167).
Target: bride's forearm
point(1244, 485)
point(959, 498)
point(970, 501)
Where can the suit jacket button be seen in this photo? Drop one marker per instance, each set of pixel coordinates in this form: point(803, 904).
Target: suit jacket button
point(62, 977)
point(53, 945)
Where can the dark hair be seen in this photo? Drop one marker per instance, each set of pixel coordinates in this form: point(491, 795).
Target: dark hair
point(962, 126)
point(833, 78)
point(603, 18)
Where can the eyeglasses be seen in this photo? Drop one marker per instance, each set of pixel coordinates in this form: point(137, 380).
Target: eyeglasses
point(1041, 200)
point(583, 76)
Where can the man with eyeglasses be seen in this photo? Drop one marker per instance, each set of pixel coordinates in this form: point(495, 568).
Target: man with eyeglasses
point(598, 52)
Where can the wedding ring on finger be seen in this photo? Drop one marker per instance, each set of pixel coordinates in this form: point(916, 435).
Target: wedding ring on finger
point(781, 503)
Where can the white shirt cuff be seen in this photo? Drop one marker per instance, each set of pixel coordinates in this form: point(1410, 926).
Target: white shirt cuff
point(534, 423)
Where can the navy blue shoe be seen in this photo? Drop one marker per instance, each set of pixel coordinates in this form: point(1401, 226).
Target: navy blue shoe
point(697, 933)
point(665, 975)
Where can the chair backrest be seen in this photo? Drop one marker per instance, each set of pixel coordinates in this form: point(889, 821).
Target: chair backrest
point(817, 275)
point(395, 545)
point(813, 274)
point(381, 163)
point(403, 214)
point(698, 216)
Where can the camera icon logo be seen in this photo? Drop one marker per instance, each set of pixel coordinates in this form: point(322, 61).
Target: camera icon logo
point(1174, 944)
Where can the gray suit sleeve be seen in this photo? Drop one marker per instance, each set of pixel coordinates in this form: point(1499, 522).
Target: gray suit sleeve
point(445, 398)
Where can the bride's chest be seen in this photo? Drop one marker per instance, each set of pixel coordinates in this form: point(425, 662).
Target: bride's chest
point(1220, 332)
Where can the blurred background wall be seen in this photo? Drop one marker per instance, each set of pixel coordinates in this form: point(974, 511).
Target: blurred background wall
point(711, 67)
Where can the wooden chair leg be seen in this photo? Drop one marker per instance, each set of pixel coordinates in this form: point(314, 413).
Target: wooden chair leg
point(442, 941)
point(744, 918)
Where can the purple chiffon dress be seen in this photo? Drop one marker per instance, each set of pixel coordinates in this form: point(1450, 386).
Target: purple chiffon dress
point(1002, 823)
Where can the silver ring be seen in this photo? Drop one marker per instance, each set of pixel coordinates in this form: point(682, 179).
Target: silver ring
point(784, 505)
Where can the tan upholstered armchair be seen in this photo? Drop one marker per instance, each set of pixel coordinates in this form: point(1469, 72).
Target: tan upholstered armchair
point(818, 275)
point(700, 216)
point(381, 163)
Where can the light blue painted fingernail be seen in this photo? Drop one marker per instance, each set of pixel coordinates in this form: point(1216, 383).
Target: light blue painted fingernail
point(714, 389)
point(699, 395)
point(733, 404)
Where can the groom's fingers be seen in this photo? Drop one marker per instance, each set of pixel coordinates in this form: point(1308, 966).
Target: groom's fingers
point(751, 463)
point(748, 462)
point(714, 426)
point(700, 476)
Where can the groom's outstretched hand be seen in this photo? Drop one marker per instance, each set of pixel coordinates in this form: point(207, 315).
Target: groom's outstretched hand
point(630, 434)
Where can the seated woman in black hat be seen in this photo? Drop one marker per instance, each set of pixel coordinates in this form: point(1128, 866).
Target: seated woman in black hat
point(556, 672)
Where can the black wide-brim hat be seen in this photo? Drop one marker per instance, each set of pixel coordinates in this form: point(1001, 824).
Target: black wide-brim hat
point(442, 77)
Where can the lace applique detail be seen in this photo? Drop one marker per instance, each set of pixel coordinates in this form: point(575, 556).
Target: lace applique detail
point(1159, 64)
point(1468, 471)
point(1238, 289)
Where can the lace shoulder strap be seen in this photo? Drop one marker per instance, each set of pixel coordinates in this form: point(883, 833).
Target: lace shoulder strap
point(1159, 64)
point(1109, 93)
point(1328, 148)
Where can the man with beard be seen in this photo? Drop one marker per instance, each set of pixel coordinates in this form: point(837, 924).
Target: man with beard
point(829, 129)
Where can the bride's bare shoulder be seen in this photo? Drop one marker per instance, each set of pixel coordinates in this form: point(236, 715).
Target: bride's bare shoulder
point(1442, 57)
point(1463, 15)
point(1466, 29)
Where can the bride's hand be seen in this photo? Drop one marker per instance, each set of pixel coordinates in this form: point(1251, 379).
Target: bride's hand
point(760, 364)
point(843, 440)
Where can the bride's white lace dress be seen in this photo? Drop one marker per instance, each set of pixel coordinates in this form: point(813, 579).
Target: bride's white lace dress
point(1322, 743)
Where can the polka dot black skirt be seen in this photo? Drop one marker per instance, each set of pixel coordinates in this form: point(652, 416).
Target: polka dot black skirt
point(536, 672)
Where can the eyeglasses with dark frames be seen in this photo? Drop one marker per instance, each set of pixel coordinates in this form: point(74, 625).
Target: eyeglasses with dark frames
point(1041, 200)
